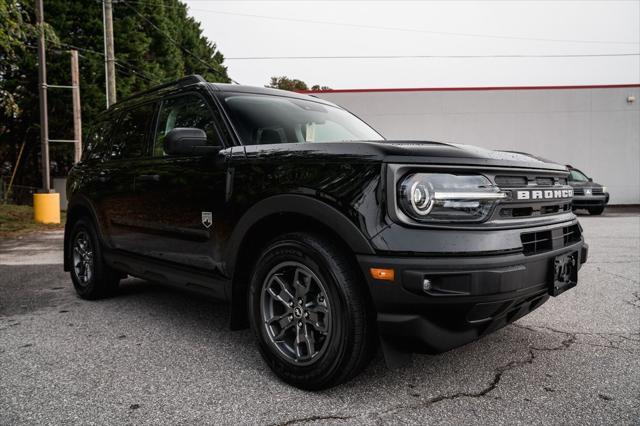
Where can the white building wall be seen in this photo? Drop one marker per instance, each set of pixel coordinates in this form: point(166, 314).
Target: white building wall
point(594, 129)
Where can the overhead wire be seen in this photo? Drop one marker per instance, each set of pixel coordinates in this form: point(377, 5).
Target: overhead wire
point(119, 62)
point(209, 66)
point(388, 28)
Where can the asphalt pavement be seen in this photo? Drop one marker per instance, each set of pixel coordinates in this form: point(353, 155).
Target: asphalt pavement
point(153, 355)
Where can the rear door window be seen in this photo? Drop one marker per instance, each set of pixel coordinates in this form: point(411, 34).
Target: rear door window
point(130, 138)
point(184, 111)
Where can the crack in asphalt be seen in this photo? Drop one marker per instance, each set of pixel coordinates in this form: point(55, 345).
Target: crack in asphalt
point(570, 339)
point(635, 303)
point(312, 419)
point(613, 274)
point(606, 336)
point(567, 342)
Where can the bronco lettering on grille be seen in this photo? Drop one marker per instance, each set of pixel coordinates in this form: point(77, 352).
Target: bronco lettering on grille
point(547, 194)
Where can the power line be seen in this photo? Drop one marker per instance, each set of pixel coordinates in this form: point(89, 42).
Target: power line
point(130, 70)
point(119, 62)
point(261, 58)
point(386, 28)
point(175, 43)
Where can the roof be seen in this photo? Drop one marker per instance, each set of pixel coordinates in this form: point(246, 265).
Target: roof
point(224, 87)
point(227, 87)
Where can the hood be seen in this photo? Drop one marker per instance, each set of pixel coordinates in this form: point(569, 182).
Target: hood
point(407, 152)
point(575, 184)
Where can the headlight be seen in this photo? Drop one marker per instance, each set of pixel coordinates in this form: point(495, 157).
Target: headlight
point(440, 197)
point(604, 190)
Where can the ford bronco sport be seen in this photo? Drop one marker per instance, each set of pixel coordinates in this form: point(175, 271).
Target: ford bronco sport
point(325, 238)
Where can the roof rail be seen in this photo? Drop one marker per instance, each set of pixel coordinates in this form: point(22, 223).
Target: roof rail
point(184, 81)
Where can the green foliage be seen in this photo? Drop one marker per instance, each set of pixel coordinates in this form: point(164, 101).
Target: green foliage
point(145, 56)
point(18, 220)
point(286, 83)
point(292, 84)
point(317, 88)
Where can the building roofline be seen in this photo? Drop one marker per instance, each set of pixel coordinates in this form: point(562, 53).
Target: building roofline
point(454, 89)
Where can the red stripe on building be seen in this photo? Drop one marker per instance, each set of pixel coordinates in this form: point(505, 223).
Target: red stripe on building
point(454, 89)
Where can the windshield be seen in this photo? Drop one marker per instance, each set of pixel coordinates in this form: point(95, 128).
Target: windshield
point(577, 176)
point(266, 119)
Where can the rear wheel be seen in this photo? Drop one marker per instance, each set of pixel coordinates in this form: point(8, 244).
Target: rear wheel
point(596, 211)
point(310, 312)
point(91, 276)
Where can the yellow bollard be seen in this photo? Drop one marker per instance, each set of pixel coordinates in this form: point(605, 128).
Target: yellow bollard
point(46, 207)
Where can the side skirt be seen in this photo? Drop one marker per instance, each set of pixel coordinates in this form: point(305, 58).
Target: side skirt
point(168, 274)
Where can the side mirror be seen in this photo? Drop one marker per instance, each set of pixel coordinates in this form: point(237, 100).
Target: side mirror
point(590, 179)
point(186, 141)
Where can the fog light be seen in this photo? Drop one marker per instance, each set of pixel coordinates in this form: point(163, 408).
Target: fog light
point(426, 285)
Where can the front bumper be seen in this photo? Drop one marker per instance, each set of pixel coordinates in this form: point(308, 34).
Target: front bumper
point(584, 201)
point(469, 296)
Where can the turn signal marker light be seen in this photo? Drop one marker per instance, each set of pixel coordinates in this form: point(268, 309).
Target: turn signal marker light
point(382, 274)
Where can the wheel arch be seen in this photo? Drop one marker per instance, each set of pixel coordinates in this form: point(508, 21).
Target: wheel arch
point(77, 209)
point(275, 216)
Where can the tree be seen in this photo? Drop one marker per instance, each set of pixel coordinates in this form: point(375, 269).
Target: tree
point(15, 31)
point(155, 41)
point(286, 83)
point(293, 85)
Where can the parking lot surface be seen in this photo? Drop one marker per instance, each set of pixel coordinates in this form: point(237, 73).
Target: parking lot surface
point(153, 355)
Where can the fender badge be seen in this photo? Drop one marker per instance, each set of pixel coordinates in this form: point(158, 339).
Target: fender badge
point(207, 219)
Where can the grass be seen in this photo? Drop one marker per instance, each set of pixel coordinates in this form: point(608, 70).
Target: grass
point(18, 220)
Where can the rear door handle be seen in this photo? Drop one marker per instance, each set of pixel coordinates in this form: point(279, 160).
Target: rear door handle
point(148, 178)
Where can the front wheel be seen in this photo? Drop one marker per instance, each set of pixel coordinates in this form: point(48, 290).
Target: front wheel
point(310, 312)
point(596, 211)
point(92, 277)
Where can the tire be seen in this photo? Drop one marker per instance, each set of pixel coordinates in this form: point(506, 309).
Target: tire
point(596, 211)
point(91, 276)
point(335, 300)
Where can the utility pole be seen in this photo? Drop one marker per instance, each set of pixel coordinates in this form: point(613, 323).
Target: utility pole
point(109, 55)
point(46, 204)
point(42, 80)
point(77, 119)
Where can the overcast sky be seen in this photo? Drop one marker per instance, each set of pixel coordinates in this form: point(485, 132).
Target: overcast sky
point(249, 29)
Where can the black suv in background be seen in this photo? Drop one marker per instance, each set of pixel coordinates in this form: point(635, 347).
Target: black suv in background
point(586, 193)
point(325, 238)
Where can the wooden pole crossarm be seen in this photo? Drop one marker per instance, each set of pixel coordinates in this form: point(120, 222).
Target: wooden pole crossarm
point(57, 86)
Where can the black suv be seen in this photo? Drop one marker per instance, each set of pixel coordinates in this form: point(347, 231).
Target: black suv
point(325, 238)
point(586, 193)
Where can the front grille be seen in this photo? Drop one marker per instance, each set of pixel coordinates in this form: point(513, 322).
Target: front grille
point(543, 241)
point(532, 206)
point(571, 234)
point(523, 181)
point(508, 212)
point(536, 242)
point(544, 181)
point(594, 191)
point(511, 181)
